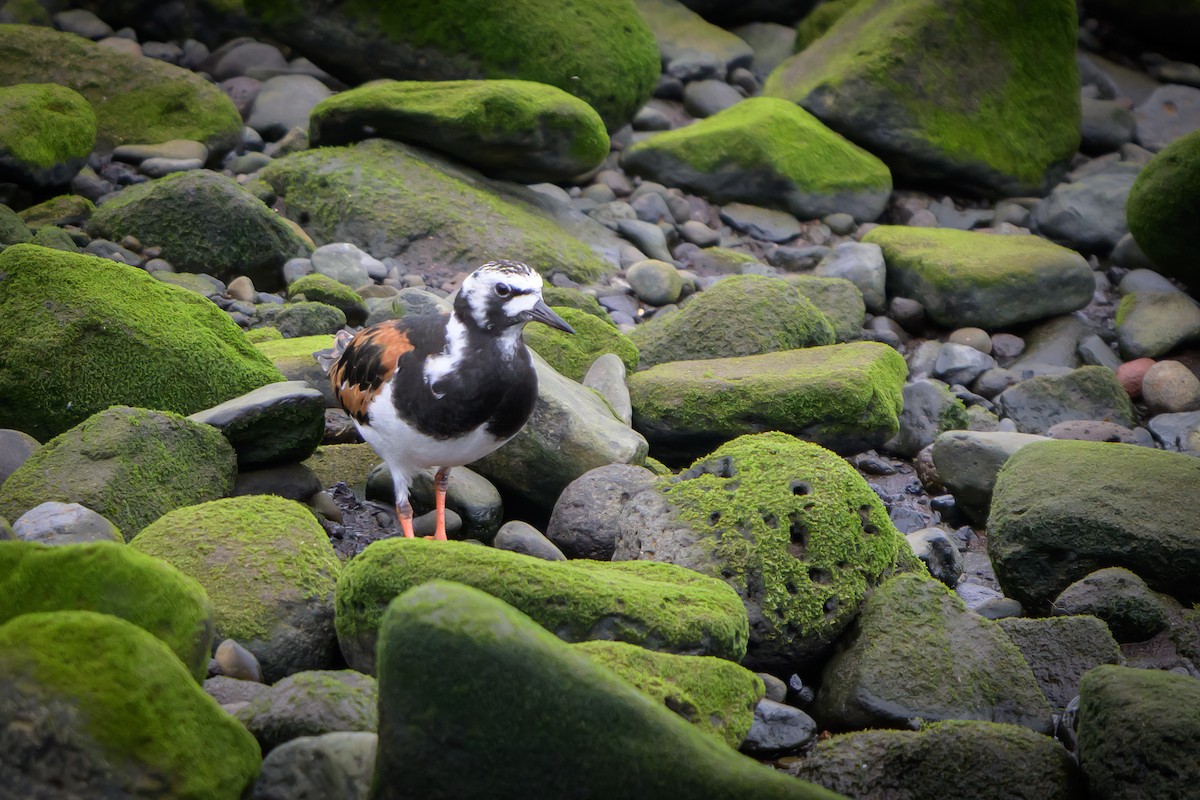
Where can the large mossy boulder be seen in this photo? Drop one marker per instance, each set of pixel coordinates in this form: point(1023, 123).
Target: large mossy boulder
point(975, 279)
point(916, 653)
point(957, 758)
point(46, 134)
point(767, 152)
point(966, 117)
point(391, 199)
point(94, 706)
point(771, 315)
point(518, 130)
point(846, 397)
point(572, 354)
point(1164, 201)
point(204, 222)
point(130, 465)
point(83, 333)
point(789, 525)
point(136, 100)
point(112, 579)
point(1064, 509)
point(601, 51)
point(268, 568)
point(560, 725)
point(660, 606)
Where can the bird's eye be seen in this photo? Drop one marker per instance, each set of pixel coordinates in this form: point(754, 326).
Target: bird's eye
point(503, 290)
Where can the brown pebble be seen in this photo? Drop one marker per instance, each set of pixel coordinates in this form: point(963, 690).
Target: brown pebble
point(1131, 373)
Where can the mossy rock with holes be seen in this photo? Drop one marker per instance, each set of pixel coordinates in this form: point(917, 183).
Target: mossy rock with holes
point(573, 354)
point(789, 525)
point(269, 570)
point(46, 134)
point(660, 606)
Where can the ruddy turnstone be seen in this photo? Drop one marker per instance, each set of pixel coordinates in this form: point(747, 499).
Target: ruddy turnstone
point(439, 391)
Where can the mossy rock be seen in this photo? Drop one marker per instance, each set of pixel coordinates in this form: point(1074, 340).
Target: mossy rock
point(838, 299)
point(112, 579)
point(1166, 196)
point(301, 320)
point(46, 134)
point(85, 333)
point(555, 696)
point(55, 239)
point(268, 568)
point(789, 525)
point(819, 20)
point(263, 334)
point(388, 198)
point(993, 282)
point(767, 152)
point(690, 44)
point(846, 397)
point(323, 289)
point(983, 760)
point(130, 465)
point(66, 209)
point(294, 358)
point(1064, 509)
point(574, 298)
point(770, 315)
point(890, 670)
point(518, 130)
point(311, 703)
point(351, 463)
point(598, 50)
point(573, 354)
point(1060, 650)
point(204, 222)
point(715, 695)
point(1089, 393)
point(117, 715)
point(660, 606)
point(156, 101)
point(979, 117)
point(12, 229)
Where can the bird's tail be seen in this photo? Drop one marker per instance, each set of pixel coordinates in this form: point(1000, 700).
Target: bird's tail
point(327, 358)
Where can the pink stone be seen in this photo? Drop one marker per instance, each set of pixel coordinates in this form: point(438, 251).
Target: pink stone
point(1131, 373)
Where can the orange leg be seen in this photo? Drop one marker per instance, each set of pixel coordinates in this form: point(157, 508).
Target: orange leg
point(440, 481)
point(405, 515)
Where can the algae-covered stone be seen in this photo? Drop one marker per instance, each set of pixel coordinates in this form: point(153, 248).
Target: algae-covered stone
point(301, 319)
point(838, 299)
point(1089, 393)
point(46, 133)
point(279, 423)
point(519, 130)
point(767, 152)
point(771, 315)
point(323, 289)
point(84, 333)
point(389, 199)
point(66, 209)
point(131, 465)
point(871, 79)
point(432, 691)
point(964, 278)
point(1164, 201)
point(691, 47)
point(156, 101)
point(916, 653)
point(846, 397)
point(1064, 509)
point(789, 525)
point(310, 704)
point(111, 579)
point(269, 570)
point(1060, 650)
point(94, 706)
point(816, 22)
point(12, 229)
point(1152, 324)
point(715, 695)
point(1121, 599)
point(570, 354)
point(655, 605)
point(956, 758)
point(332, 766)
point(293, 357)
point(1138, 730)
point(204, 222)
point(598, 50)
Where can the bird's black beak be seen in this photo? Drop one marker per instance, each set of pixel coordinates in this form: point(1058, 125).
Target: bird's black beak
point(542, 313)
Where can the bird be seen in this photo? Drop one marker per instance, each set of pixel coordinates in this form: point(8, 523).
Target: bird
point(437, 391)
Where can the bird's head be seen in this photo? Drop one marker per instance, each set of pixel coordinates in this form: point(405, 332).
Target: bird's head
point(503, 294)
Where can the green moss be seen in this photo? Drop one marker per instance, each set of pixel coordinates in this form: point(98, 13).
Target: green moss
point(123, 702)
point(12, 228)
point(43, 125)
point(299, 347)
point(85, 333)
point(715, 695)
point(323, 289)
point(55, 239)
point(1127, 304)
point(66, 209)
point(258, 336)
point(838, 299)
point(819, 20)
point(1164, 196)
point(251, 553)
point(573, 298)
point(311, 703)
point(572, 355)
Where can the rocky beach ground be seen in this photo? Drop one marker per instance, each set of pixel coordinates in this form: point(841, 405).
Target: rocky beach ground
point(866, 474)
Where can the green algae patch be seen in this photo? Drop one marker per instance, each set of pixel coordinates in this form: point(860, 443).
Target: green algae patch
point(156, 102)
point(999, 112)
point(584, 732)
point(390, 199)
point(819, 20)
point(351, 463)
point(659, 606)
point(66, 209)
point(846, 397)
point(83, 333)
point(322, 289)
point(131, 465)
point(574, 298)
point(838, 299)
point(715, 695)
point(111, 579)
point(1165, 196)
point(572, 354)
point(117, 700)
point(268, 568)
point(45, 130)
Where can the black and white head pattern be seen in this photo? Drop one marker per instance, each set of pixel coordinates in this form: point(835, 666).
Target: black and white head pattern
point(499, 294)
